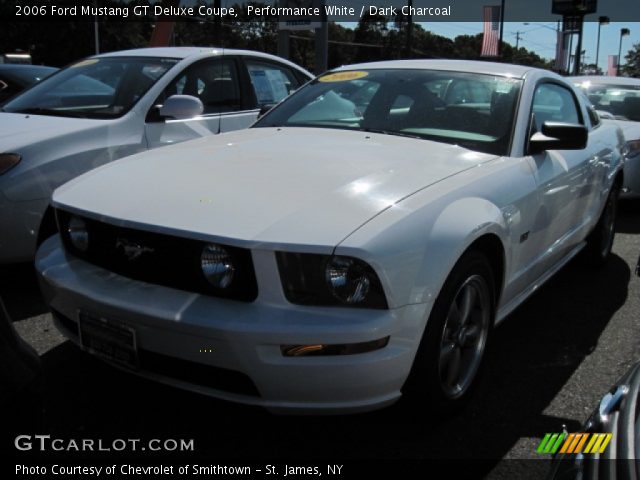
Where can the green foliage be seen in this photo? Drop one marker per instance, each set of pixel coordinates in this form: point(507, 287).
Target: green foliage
point(631, 67)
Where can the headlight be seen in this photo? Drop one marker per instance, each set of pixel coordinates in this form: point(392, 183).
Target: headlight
point(348, 279)
point(217, 265)
point(311, 279)
point(78, 234)
point(8, 161)
point(631, 148)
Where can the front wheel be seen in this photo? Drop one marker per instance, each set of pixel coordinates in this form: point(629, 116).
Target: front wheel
point(600, 240)
point(454, 342)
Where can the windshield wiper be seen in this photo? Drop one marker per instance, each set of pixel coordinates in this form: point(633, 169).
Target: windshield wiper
point(389, 132)
point(49, 111)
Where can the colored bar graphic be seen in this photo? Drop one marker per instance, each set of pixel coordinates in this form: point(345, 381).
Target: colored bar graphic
point(566, 444)
point(543, 443)
point(582, 442)
point(573, 443)
point(605, 443)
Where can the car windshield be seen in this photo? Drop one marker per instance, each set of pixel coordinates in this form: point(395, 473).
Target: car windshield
point(473, 110)
point(94, 88)
point(622, 101)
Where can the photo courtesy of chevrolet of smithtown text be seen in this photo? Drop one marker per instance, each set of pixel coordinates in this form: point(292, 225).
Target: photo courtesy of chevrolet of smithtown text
point(267, 239)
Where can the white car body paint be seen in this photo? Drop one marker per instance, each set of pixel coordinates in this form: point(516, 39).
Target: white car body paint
point(410, 216)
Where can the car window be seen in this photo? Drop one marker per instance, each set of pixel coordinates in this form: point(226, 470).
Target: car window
point(213, 81)
point(622, 101)
point(554, 103)
point(271, 83)
point(464, 92)
point(409, 103)
point(105, 87)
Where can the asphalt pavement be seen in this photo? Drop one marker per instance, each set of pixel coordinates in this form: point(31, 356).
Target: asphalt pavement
point(547, 367)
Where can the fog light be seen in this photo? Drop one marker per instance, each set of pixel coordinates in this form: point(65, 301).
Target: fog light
point(217, 265)
point(78, 234)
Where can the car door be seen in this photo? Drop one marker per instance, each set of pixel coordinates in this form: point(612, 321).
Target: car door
point(270, 82)
point(563, 177)
point(216, 82)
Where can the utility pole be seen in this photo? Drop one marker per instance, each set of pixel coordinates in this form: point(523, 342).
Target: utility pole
point(518, 38)
point(409, 29)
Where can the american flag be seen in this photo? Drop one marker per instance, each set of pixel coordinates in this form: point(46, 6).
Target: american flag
point(612, 66)
point(562, 51)
point(491, 31)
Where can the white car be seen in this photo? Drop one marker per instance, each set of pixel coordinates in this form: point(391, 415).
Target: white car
point(112, 105)
point(618, 99)
point(359, 241)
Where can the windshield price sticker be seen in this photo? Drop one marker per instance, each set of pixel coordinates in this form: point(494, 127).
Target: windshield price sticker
point(343, 76)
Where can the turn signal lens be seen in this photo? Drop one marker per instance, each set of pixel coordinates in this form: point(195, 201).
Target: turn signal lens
point(8, 161)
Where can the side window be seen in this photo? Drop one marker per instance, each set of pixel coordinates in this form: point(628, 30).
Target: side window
point(554, 103)
point(271, 82)
point(214, 82)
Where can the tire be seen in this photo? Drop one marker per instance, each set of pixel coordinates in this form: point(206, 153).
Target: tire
point(452, 348)
point(600, 240)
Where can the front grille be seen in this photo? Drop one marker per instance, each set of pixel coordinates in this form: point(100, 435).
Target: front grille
point(194, 373)
point(157, 258)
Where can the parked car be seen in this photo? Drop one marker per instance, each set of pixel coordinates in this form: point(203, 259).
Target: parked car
point(616, 420)
point(15, 78)
point(618, 99)
point(359, 241)
point(112, 105)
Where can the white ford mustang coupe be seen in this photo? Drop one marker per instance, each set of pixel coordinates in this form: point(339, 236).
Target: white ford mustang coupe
point(361, 240)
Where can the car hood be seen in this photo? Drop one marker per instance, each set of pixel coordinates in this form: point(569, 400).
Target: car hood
point(282, 186)
point(18, 130)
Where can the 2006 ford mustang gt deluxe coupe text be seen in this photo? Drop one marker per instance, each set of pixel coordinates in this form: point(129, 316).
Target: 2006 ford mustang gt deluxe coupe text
point(360, 241)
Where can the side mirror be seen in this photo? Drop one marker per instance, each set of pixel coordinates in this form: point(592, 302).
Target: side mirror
point(181, 107)
point(558, 136)
point(265, 108)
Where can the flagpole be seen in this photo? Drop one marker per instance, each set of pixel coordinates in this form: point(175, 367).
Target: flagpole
point(501, 27)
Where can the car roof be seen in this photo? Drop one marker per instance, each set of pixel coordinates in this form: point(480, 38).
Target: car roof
point(476, 66)
point(198, 52)
point(600, 79)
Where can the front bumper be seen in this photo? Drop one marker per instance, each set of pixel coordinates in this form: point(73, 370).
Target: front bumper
point(232, 340)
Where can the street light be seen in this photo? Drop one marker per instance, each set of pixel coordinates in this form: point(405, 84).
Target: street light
point(623, 33)
point(601, 21)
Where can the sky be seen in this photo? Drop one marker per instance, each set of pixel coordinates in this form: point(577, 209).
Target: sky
point(541, 37)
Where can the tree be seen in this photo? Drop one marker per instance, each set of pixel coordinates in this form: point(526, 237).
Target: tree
point(632, 62)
